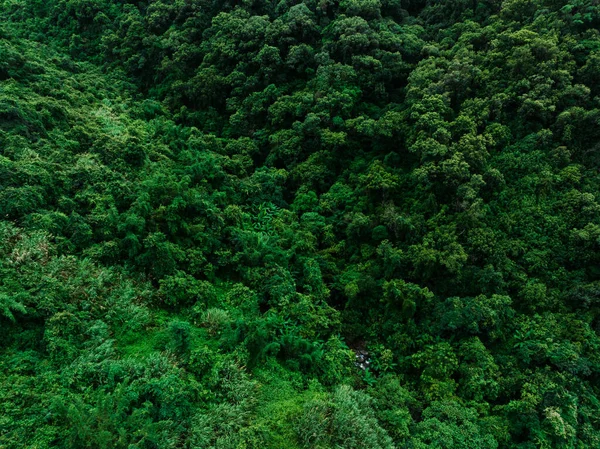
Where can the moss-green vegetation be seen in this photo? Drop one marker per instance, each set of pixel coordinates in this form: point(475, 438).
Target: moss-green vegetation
point(212, 212)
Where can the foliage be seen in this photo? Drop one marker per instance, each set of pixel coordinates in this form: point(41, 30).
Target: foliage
point(209, 209)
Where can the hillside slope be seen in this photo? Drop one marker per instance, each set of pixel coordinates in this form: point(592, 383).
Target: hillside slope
point(209, 209)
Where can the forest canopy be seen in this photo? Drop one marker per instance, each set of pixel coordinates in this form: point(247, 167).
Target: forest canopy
point(298, 224)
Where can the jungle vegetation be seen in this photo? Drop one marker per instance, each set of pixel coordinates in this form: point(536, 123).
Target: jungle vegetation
point(207, 208)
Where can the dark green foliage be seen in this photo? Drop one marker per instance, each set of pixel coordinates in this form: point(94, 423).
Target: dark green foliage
point(208, 209)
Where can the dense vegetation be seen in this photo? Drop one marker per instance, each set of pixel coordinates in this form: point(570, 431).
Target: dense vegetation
point(207, 208)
